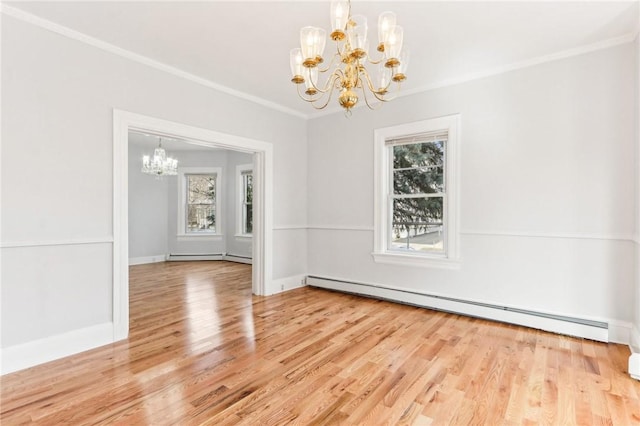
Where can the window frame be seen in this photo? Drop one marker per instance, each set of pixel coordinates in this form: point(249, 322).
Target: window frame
point(183, 174)
point(383, 195)
point(240, 204)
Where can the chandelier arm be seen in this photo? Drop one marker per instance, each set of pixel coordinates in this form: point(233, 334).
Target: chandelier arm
point(333, 61)
point(373, 90)
point(366, 99)
point(376, 62)
point(325, 104)
point(302, 97)
point(330, 82)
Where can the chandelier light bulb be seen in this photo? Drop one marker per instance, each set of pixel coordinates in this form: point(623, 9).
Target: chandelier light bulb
point(393, 46)
point(339, 18)
point(357, 33)
point(307, 43)
point(295, 61)
point(386, 24)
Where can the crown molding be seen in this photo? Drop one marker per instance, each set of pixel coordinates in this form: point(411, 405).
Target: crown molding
point(564, 54)
point(107, 47)
point(78, 36)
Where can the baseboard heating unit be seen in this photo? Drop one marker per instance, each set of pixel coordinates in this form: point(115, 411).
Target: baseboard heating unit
point(579, 327)
point(195, 256)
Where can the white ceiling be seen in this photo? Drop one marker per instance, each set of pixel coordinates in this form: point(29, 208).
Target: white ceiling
point(150, 142)
point(245, 45)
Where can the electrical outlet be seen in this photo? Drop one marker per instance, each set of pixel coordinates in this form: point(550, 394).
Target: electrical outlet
point(281, 287)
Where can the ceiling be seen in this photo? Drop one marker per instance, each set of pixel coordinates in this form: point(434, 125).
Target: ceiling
point(245, 46)
point(150, 142)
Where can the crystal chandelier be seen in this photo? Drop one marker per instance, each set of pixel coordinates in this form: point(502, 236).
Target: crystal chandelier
point(160, 164)
point(346, 71)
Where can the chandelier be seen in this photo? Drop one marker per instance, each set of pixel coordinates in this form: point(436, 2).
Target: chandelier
point(346, 71)
point(160, 164)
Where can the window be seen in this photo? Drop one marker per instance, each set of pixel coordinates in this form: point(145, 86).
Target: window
point(198, 213)
point(247, 206)
point(244, 178)
point(416, 193)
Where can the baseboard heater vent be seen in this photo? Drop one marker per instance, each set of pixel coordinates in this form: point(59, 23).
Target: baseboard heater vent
point(195, 256)
point(211, 256)
point(580, 327)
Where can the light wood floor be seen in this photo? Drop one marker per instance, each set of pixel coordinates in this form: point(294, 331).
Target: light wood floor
point(202, 350)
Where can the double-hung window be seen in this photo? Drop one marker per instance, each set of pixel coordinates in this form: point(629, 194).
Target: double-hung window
point(244, 176)
point(416, 193)
point(199, 201)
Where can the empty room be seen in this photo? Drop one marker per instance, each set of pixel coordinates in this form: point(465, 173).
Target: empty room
point(320, 212)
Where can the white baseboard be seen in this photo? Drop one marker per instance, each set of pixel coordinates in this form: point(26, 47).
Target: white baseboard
point(634, 366)
point(620, 331)
point(634, 339)
point(634, 359)
point(237, 259)
point(147, 259)
point(19, 357)
point(288, 283)
point(584, 328)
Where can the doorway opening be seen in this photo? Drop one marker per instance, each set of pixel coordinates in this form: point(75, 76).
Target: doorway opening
point(125, 122)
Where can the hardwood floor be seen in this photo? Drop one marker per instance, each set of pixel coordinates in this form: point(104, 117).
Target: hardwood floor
point(202, 350)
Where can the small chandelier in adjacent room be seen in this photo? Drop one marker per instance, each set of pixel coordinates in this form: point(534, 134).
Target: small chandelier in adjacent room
point(160, 164)
point(346, 69)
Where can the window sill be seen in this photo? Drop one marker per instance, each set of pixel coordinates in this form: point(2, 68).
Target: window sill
point(205, 236)
point(413, 260)
point(244, 236)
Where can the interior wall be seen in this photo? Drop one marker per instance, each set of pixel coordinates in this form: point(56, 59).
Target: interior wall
point(547, 212)
point(57, 222)
point(148, 210)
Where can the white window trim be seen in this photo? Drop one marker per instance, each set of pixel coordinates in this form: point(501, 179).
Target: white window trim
point(382, 179)
point(240, 199)
point(182, 201)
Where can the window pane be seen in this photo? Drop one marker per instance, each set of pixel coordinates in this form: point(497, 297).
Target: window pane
point(248, 219)
point(426, 180)
point(201, 218)
point(247, 209)
point(201, 189)
point(248, 188)
point(418, 155)
point(201, 200)
point(417, 224)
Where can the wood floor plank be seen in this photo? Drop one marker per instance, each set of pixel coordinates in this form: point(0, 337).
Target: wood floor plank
point(203, 351)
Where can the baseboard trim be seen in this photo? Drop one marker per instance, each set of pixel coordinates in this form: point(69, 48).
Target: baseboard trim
point(288, 283)
point(634, 359)
point(147, 259)
point(620, 331)
point(19, 357)
point(237, 258)
point(579, 327)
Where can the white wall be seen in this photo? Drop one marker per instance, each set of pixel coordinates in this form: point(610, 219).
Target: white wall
point(57, 171)
point(547, 211)
point(148, 210)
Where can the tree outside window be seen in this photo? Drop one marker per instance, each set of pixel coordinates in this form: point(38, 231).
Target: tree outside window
point(201, 203)
point(418, 196)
